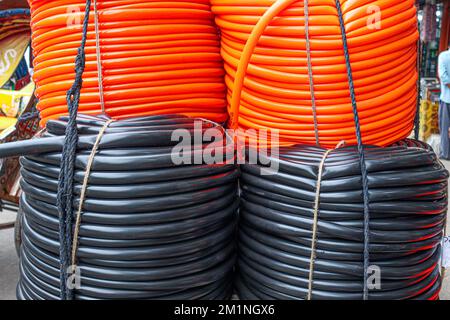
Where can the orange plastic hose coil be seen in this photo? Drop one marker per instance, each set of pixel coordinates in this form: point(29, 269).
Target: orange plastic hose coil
point(157, 57)
point(264, 48)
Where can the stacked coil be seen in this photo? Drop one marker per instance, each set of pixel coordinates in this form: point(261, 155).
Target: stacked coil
point(265, 48)
point(14, 21)
point(150, 229)
point(156, 57)
point(408, 207)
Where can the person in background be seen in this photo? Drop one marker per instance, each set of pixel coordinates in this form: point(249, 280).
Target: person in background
point(444, 108)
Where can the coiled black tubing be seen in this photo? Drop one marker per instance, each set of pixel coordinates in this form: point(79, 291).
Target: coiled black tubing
point(149, 229)
point(408, 206)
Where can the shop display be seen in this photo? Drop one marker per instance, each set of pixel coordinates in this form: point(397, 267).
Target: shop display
point(16, 95)
point(119, 198)
point(429, 108)
point(13, 22)
point(24, 129)
point(16, 87)
point(429, 119)
point(429, 23)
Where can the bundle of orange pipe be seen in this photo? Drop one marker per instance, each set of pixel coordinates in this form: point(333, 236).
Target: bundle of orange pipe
point(265, 53)
point(157, 57)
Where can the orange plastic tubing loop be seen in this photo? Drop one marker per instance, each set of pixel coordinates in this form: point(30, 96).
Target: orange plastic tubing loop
point(249, 48)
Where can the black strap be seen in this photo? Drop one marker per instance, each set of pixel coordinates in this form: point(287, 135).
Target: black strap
point(66, 175)
point(364, 174)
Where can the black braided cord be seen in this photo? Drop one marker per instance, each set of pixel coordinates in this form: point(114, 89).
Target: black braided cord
point(364, 174)
point(28, 116)
point(66, 175)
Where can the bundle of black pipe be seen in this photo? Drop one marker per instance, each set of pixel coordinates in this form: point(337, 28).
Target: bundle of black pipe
point(408, 206)
point(150, 229)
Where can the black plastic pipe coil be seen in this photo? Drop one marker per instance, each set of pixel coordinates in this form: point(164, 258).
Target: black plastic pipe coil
point(408, 206)
point(149, 230)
